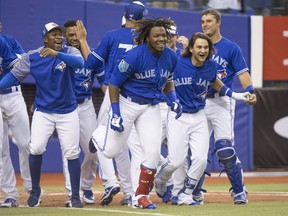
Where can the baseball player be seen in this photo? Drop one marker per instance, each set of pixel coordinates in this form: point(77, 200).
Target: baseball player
point(53, 68)
point(141, 76)
point(15, 119)
point(194, 73)
point(88, 122)
point(220, 109)
point(112, 46)
point(176, 182)
point(8, 59)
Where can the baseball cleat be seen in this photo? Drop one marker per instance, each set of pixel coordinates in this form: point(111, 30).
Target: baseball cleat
point(35, 197)
point(76, 203)
point(108, 195)
point(88, 197)
point(9, 202)
point(199, 198)
point(240, 199)
point(92, 147)
point(186, 199)
point(142, 201)
point(168, 194)
point(127, 200)
point(174, 200)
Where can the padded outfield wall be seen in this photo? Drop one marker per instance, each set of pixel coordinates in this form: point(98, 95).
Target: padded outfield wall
point(25, 20)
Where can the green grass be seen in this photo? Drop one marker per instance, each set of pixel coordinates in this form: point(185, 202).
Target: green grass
point(273, 208)
point(213, 209)
point(267, 187)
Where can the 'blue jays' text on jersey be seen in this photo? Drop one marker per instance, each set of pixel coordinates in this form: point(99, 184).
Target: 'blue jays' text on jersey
point(230, 61)
point(7, 57)
point(55, 81)
point(17, 49)
point(84, 79)
point(191, 83)
point(112, 46)
point(142, 76)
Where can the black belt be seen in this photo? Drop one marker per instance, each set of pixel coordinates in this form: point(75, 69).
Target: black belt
point(135, 100)
point(10, 90)
point(214, 95)
point(190, 111)
point(81, 101)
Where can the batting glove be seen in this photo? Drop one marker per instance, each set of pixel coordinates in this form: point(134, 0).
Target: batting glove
point(241, 96)
point(116, 120)
point(174, 104)
point(177, 107)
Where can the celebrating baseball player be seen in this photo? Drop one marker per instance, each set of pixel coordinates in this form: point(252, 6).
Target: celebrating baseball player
point(15, 119)
point(220, 109)
point(88, 122)
point(141, 75)
point(8, 60)
point(53, 68)
point(194, 73)
point(112, 46)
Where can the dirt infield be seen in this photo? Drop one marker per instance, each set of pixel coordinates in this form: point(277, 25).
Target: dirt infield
point(57, 198)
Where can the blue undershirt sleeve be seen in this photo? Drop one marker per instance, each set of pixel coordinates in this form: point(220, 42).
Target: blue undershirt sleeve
point(71, 60)
point(7, 81)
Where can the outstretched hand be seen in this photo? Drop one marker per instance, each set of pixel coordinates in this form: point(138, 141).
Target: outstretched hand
point(48, 52)
point(80, 30)
point(241, 96)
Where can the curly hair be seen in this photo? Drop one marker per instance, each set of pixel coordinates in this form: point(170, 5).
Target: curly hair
point(194, 37)
point(145, 26)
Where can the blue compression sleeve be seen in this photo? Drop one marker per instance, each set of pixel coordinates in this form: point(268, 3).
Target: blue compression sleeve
point(7, 81)
point(72, 61)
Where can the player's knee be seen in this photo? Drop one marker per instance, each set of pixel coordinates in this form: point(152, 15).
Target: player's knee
point(177, 163)
point(71, 154)
point(36, 151)
point(225, 151)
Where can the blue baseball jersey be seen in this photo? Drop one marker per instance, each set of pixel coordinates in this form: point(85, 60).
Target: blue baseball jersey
point(230, 61)
point(7, 57)
point(55, 80)
point(17, 49)
point(163, 96)
point(192, 83)
point(112, 46)
point(84, 79)
point(13, 43)
point(142, 76)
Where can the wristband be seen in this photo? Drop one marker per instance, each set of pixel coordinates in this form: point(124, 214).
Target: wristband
point(250, 89)
point(225, 91)
point(172, 96)
point(115, 108)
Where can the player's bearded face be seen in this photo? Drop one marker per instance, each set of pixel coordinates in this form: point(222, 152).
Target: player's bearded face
point(54, 39)
point(157, 40)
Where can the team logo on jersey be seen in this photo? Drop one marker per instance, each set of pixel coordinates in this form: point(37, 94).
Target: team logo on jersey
point(202, 95)
point(86, 84)
point(61, 66)
point(123, 66)
point(221, 74)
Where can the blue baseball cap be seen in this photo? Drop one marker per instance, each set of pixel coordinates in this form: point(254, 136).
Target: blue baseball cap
point(135, 11)
point(49, 27)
